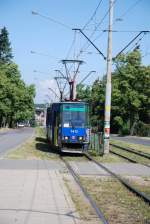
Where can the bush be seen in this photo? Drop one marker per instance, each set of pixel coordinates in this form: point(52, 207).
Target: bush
point(142, 129)
point(125, 130)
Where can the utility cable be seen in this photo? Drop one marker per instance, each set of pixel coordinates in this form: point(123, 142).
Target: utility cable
point(136, 45)
point(142, 32)
point(124, 14)
point(70, 49)
point(130, 8)
point(91, 18)
point(85, 46)
point(51, 19)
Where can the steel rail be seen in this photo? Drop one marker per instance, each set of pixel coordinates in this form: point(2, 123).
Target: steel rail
point(87, 195)
point(124, 157)
point(137, 152)
point(129, 159)
point(140, 194)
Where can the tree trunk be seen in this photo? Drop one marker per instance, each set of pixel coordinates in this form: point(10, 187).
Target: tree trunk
point(133, 128)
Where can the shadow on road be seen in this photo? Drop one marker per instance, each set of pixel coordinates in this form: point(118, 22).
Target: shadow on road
point(43, 145)
point(40, 139)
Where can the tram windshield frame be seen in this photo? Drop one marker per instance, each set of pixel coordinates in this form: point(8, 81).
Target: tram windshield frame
point(75, 115)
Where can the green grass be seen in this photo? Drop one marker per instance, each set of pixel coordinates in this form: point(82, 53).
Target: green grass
point(104, 159)
point(108, 158)
point(118, 204)
point(130, 155)
point(35, 148)
point(141, 183)
point(84, 209)
point(138, 147)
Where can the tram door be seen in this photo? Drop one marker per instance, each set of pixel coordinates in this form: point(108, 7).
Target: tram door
point(56, 128)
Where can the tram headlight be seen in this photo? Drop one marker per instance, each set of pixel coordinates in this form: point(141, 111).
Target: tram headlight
point(80, 138)
point(66, 137)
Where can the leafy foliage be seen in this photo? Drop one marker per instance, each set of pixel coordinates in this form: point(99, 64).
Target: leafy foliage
point(5, 49)
point(16, 98)
point(130, 96)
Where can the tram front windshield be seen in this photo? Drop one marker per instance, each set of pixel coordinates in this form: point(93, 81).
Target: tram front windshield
point(74, 115)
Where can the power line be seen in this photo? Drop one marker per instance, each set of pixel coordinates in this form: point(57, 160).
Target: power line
point(124, 31)
point(51, 19)
point(72, 44)
point(102, 20)
point(91, 18)
point(136, 45)
point(91, 43)
point(145, 55)
point(43, 54)
point(142, 32)
point(85, 46)
point(106, 13)
point(124, 14)
point(100, 35)
point(130, 8)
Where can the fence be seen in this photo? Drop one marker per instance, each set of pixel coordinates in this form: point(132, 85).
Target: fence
point(96, 142)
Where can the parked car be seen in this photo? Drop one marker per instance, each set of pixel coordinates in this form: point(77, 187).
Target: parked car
point(20, 125)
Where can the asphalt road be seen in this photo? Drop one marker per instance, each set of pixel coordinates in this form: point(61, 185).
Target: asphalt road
point(13, 138)
point(133, 139)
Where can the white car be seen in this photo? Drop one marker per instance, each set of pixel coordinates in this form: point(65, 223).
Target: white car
point(20, 125)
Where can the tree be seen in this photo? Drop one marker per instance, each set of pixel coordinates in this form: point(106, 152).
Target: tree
point(5, 48)
point(16, 98)
point(130, 101)
point(130, 109)
point(95, 96)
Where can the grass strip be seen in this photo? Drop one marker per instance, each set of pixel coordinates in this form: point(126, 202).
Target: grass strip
point(35, 148)
point(108, 158)
point(131, 155)
point(138, 147)
point(118, 204)
point(84, 209)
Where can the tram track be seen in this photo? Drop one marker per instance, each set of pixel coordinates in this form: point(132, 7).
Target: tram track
point(128, 159)
point(132, 151)
point(84, 191)
point(120, 179)
point(131, 188)
point(122, 156)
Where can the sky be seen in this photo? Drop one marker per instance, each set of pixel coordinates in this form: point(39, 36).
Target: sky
point(51, 42)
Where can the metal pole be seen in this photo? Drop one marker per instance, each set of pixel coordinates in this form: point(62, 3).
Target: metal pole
point(108, 84)
point(74, 89)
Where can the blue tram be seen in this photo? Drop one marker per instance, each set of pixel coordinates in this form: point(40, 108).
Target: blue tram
point(68, 126)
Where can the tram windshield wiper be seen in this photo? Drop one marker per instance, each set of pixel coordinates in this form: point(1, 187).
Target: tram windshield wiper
point(72, 125)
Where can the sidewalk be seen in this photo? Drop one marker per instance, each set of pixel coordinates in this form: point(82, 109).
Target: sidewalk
point(35, 196)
